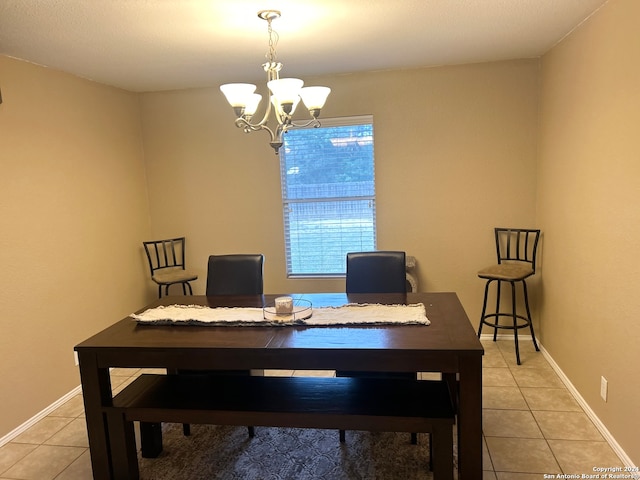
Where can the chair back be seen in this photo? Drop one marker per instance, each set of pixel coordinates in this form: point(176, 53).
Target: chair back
point(376, 272)
point(163, 254)
point(517, 245)
point(236, 274)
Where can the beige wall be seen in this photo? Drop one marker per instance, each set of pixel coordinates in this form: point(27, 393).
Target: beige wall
point(588, 207)
point(443, 138)
point(73, 211)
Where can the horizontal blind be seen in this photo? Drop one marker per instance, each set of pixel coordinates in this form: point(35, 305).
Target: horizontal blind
point(328, 192)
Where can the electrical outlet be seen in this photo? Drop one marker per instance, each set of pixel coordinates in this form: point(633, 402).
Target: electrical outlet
point(75, 358)
point(604, 388)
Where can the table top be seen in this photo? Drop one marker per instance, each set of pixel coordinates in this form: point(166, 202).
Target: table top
point(382, 347)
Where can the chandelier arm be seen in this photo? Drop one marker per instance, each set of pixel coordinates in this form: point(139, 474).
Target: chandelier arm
point(313, 122)
point(275, 137)
point(265, 118)
point(251, 127)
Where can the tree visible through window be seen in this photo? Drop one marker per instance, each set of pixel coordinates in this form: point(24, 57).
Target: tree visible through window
point(328, 194)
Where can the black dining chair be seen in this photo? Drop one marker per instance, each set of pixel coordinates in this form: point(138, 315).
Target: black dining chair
point(167, 264)
point(377, 272)
point(233, 274)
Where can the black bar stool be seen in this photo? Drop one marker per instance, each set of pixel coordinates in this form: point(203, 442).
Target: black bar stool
point(516, 249)
point(167, 265)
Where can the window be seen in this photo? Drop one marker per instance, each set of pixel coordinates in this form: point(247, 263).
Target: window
point(328, 195)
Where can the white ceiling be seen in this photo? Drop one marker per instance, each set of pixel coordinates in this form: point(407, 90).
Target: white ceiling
point(149, 45)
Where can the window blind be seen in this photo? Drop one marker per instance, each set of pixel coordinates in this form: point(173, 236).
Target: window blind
point(328, 194)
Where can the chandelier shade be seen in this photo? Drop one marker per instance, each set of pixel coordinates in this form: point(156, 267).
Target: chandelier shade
point(314, 98)
point(238, 94)
point(286, 93)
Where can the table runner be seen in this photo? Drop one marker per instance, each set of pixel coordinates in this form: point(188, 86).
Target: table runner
point(349, 314)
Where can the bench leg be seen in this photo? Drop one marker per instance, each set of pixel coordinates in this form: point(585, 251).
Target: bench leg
point(442, 452)
point(150, 439)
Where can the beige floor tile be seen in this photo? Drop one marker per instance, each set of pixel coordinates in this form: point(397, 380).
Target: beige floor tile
point(491, 350)
point(557, 399)
point(493, 358)
point(487, 338)
point(508, 345)
point(486, 458)
point(278, 373)
point(74, 407)
point(567, 426)
point(518, 476)
point(529, 358)
point(521, 455)
point(44, 463)
point(72, 435)
point(488, 344)
point(578, 457)
point(123, 382)
point(124, 372)
point(116, 381)
point(488, 475)
point(509, 423)
point(153, 371)
point(314, 373)
point(497, 377)
point(535, 377)
point(503, 398)
point(44, 429)
point(10, 453)
point(80, 469)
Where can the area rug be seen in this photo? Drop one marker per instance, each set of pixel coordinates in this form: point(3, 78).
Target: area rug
point(226, 453)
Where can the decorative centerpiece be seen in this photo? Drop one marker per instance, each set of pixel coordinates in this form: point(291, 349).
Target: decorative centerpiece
point(284, 305)
point(287, 310)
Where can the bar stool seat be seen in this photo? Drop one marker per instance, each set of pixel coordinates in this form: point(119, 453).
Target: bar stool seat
point(506, 272)
point(516, 250)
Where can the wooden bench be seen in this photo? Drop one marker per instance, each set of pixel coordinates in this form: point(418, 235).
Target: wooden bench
point(390, 405)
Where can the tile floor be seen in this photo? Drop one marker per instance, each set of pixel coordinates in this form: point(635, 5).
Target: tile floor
point(532, 426)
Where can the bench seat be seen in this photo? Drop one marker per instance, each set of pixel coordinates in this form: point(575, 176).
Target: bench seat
point(371, 404)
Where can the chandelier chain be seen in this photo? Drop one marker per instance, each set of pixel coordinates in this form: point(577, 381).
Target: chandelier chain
point(273, 41)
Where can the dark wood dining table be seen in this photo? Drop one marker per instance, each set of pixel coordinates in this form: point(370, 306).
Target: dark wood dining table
point(448, 345)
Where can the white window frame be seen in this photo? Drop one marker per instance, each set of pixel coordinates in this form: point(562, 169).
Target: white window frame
point(293, 268)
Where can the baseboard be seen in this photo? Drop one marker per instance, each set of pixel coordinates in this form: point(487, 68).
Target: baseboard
point(615, 446)
point(39, 416)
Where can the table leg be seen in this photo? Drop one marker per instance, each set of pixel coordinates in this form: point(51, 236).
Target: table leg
point(96, 391)
point(470, 418)
point(123, 447)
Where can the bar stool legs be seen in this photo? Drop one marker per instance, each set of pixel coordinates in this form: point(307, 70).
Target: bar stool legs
point(515, 324)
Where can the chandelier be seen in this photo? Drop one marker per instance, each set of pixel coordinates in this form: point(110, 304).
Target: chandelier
point(285, 94)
